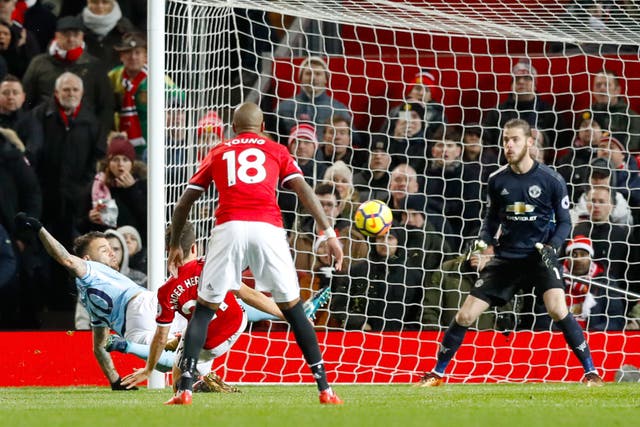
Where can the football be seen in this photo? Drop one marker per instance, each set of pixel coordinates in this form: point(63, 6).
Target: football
point(373, 218)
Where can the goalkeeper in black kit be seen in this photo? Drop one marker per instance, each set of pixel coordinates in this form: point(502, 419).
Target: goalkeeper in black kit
point(527, 222)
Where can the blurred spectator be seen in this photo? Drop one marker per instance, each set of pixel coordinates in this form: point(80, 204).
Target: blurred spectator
point(476, 154)
point(574, 164)
point(453, 187)
point(312, 104)
point(119, 191)
point(380, 293)
point(303, 144)
point(403, 182)
point(129, 82)
point(601, 175)
point(137, 250)
point(613, 244)
point(594, 307)
point(421, 90)
point(38, 18)
point(449, 287)
point(539, 149)
point(66, 166)
point(338, 144)
point(13, 116)
point(104, 28)
point(119, 246)
point(523, 103)
point(17, 56)
point(611, 111)
point(340, 176)
point(8, 14)
point(408, 143)
point(210, 132)
point(625, 169)
point(373, 182)
point(67, 54)
point(21, 288)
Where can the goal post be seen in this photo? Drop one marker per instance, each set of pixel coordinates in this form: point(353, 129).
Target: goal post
point(470, 54)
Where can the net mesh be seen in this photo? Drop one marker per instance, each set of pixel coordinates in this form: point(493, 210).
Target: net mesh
point(468, 53)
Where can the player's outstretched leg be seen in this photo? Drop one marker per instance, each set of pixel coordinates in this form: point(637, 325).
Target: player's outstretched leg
point(450, 344)
point(575, 339)
point(308, 343)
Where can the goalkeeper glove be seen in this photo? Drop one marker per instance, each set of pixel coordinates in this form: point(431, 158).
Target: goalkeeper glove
point(117, 386)
point(549, 258)
point(27, 223)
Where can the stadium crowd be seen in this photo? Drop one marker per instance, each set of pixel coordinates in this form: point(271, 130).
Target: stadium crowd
point(73, 138)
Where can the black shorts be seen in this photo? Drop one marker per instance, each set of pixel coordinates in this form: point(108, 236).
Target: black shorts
point(502, 278)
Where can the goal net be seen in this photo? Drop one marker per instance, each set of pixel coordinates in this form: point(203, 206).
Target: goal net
point(404, 101)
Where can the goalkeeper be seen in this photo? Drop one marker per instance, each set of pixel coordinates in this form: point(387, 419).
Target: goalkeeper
point(526, 223)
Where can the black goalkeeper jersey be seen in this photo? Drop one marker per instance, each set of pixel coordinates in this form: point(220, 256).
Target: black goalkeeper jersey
point(525, 209)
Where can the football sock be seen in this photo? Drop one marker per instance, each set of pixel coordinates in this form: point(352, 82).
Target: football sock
point(194, 338)
point(308, 343)
point(165, 363)
point(449, 346)
point(575, 338)
point(255, 315)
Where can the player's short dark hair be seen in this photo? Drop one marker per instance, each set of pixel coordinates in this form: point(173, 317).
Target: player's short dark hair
point(519, 123)
point(11, 78)
point(187, 237)
point(81, 244)
point(324, 189)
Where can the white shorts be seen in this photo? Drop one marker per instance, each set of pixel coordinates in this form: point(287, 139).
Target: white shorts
point(205, 358)
point(141, 318)
point(236, 245)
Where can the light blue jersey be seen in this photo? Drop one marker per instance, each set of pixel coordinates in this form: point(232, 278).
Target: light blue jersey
point(105, 293)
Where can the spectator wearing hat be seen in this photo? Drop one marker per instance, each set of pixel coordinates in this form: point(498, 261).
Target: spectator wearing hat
point(129, 82)
point(454, 186)
point(373, 182)
point(13, 116)
point(612, 112)
point(14, 49)
point(210, 132)
point(67, 53)
point(312, 104)
point(137, 250)
point(121, 181)
point(596, 308)
point(104, 28)
point(422, 89)
point(573, 164)
point(303, 145)
point(408, 143)
point(475, 153)
point(613, 244)
point(66, 165)
point(600, 173)
point(380, 293)
point(523, 103)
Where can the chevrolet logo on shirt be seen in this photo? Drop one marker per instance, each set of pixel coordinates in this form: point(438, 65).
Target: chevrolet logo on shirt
point(520, 208)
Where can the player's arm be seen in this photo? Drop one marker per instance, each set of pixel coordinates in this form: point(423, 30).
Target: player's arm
point(155, 351)
point(258, 300)
point(54, 248)
point(491, 221)
point(178, 219)
point(312, 204)
point(100, 335)
point(561, 212)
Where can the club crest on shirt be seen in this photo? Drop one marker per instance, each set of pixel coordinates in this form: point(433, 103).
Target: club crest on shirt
point(535, 191)
point(478, 283)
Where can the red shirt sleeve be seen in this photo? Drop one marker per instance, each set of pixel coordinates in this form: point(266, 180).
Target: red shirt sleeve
point(166, 313)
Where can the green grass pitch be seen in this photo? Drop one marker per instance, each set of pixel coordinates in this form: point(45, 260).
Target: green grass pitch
point(495, 405)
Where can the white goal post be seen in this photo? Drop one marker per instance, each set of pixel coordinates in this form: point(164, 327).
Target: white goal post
point(386, 316)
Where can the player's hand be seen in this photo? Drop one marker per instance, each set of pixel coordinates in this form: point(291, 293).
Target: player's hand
point(27, 223)
point(549, 258)
point(334, 248)
point(174, 261)
point(136, 377)
point(118, 385)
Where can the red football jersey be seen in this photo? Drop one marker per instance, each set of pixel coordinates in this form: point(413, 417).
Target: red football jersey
point(246, 171)
point(178, 295)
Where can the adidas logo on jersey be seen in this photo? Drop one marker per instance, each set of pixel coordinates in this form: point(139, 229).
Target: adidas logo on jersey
point(504, 192)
